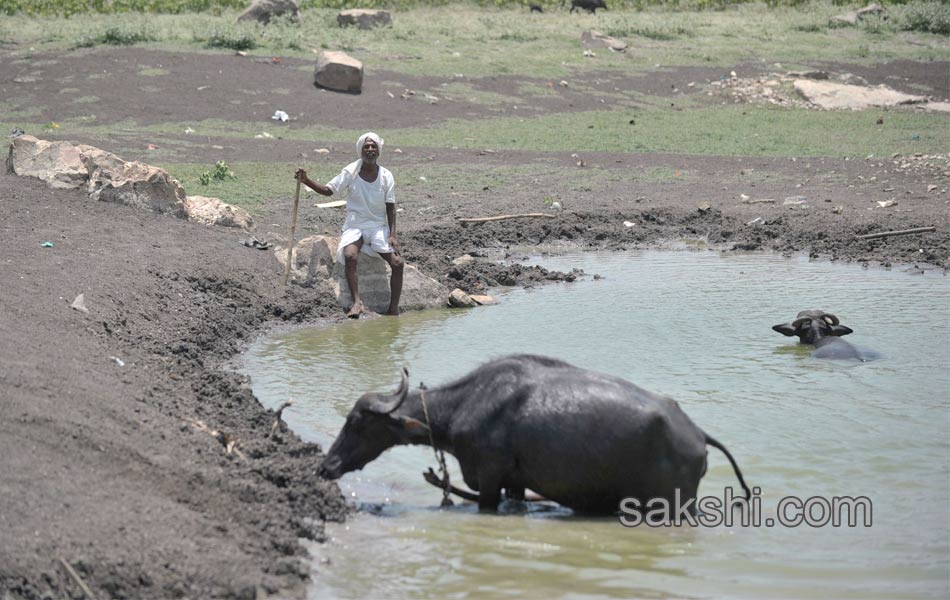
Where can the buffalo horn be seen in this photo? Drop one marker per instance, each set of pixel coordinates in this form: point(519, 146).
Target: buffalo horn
point(800, 321)
point(401, 393)
point(832, 320)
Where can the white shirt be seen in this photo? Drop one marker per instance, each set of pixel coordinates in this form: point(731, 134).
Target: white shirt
point(365, 200)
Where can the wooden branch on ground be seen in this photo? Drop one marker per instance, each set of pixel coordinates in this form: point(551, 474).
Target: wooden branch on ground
point(225, 439)
point(75, 576)
point(504, 217)
point(884, 234)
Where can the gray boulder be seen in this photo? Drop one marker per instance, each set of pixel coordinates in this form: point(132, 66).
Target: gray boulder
point(595, 39)
point(262, 11)
point(831, 96)
point(58, 164)
point(135, 184)
point(852, 18)
point(312, 259)
point(419, 291)
point(212, 211)
point(339, 72)
point(317, 261)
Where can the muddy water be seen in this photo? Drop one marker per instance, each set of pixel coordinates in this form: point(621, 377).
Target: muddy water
point(696, 326)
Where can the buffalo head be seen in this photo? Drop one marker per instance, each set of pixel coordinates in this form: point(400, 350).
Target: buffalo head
point(813, 325)
point(373, 426)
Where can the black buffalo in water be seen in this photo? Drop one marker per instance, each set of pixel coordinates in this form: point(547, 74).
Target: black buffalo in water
point(583, 439)
point(823, 331)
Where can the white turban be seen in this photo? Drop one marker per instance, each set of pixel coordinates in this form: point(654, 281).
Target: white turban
point(372, 136)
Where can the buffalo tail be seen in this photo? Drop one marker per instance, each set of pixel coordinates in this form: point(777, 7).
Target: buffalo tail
point(715, 443)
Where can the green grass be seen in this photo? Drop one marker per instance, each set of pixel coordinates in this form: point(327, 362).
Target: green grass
point(256, 183)
point(721, 130)
point(730, 130)
point(480, 41)
point(253, 185)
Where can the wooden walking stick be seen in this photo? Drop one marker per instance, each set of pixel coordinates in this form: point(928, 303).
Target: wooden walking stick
point(293, 226)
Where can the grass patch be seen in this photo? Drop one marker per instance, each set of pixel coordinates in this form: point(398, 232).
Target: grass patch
point(122, 35)
point(729, 130)
point(927, 17)
point(721, 130)
point(253, 185)
point(229, 39)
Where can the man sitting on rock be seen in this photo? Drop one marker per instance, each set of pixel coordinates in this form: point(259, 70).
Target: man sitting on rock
point(370, 223)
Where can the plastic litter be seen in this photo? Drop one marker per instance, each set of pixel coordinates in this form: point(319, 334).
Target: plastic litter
point(47, 244)
point(118, 361)
point(256, 243)
point(80, 304)
point(281, 116)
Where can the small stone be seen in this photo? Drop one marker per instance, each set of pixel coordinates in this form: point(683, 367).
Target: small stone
point(459, 299)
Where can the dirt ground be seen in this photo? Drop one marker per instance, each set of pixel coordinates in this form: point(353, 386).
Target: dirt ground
point(106, 465)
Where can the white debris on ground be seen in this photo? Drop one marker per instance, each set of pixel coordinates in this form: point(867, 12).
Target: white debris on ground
point(785, 89)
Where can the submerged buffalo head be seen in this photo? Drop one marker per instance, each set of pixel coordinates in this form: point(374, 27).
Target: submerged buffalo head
point(812, 325)
point(372, 426)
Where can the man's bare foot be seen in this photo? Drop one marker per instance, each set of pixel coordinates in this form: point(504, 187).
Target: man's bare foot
point(392, 312)
point(355, 311)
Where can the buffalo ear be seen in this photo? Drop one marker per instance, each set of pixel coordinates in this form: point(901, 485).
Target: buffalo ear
point(413, 426)
point(785, 329)
point(840, 330)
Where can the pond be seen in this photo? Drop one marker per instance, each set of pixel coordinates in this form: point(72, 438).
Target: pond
point(693, 325)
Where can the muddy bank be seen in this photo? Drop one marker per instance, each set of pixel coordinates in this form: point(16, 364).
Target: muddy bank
point(104, 467)
point(108, 465)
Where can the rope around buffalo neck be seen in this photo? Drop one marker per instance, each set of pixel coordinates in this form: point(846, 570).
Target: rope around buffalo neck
point(439, 454)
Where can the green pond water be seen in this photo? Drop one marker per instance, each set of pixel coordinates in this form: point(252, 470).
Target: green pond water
point(692, 325)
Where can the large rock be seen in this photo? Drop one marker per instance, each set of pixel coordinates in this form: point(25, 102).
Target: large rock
point(109, 178)
point(312, 259)
point(340, 72)
point(59, 164)
point(852, 18)
point(830, 95)
point(364, 18)
point(596, 39)
point(211, 211)
point(263, 11)
point(418, 290)
point(315, 259)
point(136, 184)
